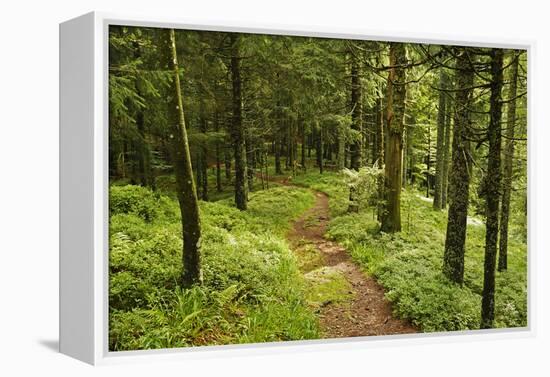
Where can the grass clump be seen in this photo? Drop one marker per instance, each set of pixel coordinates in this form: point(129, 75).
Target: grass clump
point(253, 290)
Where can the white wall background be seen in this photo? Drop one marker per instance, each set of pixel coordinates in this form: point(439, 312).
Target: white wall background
point(29, 183)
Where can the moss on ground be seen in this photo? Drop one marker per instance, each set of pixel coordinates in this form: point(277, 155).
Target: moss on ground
point(327, 285)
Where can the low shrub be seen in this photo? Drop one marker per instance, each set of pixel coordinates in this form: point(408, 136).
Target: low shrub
point(134, 200)
point(253, 290)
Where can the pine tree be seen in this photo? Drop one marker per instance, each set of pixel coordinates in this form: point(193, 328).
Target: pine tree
point(237, 128)
point(395, 113)
point(492, 190)
point(440, 146)
point(459, 184)
point(508, 165)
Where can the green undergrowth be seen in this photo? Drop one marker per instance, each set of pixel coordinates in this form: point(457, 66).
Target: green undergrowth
point(408, 264)
point(253, 290)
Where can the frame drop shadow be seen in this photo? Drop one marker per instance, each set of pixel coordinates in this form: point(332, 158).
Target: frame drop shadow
point(51, 344)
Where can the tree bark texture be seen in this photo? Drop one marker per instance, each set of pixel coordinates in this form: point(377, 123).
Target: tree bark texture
point(356, 146)
point(440, 144)
point(446, 152)
point(459, 184)
point(395, 111)
point(492, 191)
point(187, 194)
point(508, 166)
point(237, 129)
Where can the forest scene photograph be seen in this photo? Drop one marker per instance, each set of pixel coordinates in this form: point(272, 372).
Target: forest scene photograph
point(267, 188)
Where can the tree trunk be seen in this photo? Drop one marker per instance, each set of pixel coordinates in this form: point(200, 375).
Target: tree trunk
point(492, 191)
point(410, 160)
point(278, 169)
point(340, 161)
point(303, 150)
point(446, 153)
point(356, 146)
point(204, 166)
point(227, 162)
point(203, 156)
point(404, 156)
point(319, 151)
point(198, 168)
point(508, 166)
point(143, 150)
point(440, 146)
point(428, 161)
point(218, 159)
point(453, 259)
point(379, 153)
point(395, 111)
point(186, 192)
point(250, 159)
point(237, 129)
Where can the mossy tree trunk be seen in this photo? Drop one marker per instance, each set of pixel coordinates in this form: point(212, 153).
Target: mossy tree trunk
point(440, 144)
point(237, 129)
point(459, 184)
point(395, 112)
point(508, 165)
point(186, 192)
point(492, 191)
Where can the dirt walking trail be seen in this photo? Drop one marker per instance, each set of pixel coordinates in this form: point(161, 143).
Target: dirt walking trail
point(365, 311)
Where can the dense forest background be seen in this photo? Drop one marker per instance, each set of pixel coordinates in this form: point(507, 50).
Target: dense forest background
point(219, 141)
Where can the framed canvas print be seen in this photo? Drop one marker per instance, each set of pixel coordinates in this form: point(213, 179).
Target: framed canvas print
point(225, 188)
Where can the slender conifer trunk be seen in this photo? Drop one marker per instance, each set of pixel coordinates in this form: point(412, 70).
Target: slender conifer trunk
point(459, 184)
point(237, 129)
point(395, 111)
point(186, 192)
point(492, 191)
point(508, 166)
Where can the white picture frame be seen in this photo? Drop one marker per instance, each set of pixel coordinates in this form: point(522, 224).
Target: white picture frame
point(84, 188)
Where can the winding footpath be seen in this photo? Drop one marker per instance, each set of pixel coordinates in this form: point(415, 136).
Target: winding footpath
point(366, 312)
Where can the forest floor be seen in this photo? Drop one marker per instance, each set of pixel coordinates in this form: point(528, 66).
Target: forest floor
point(349, 302)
